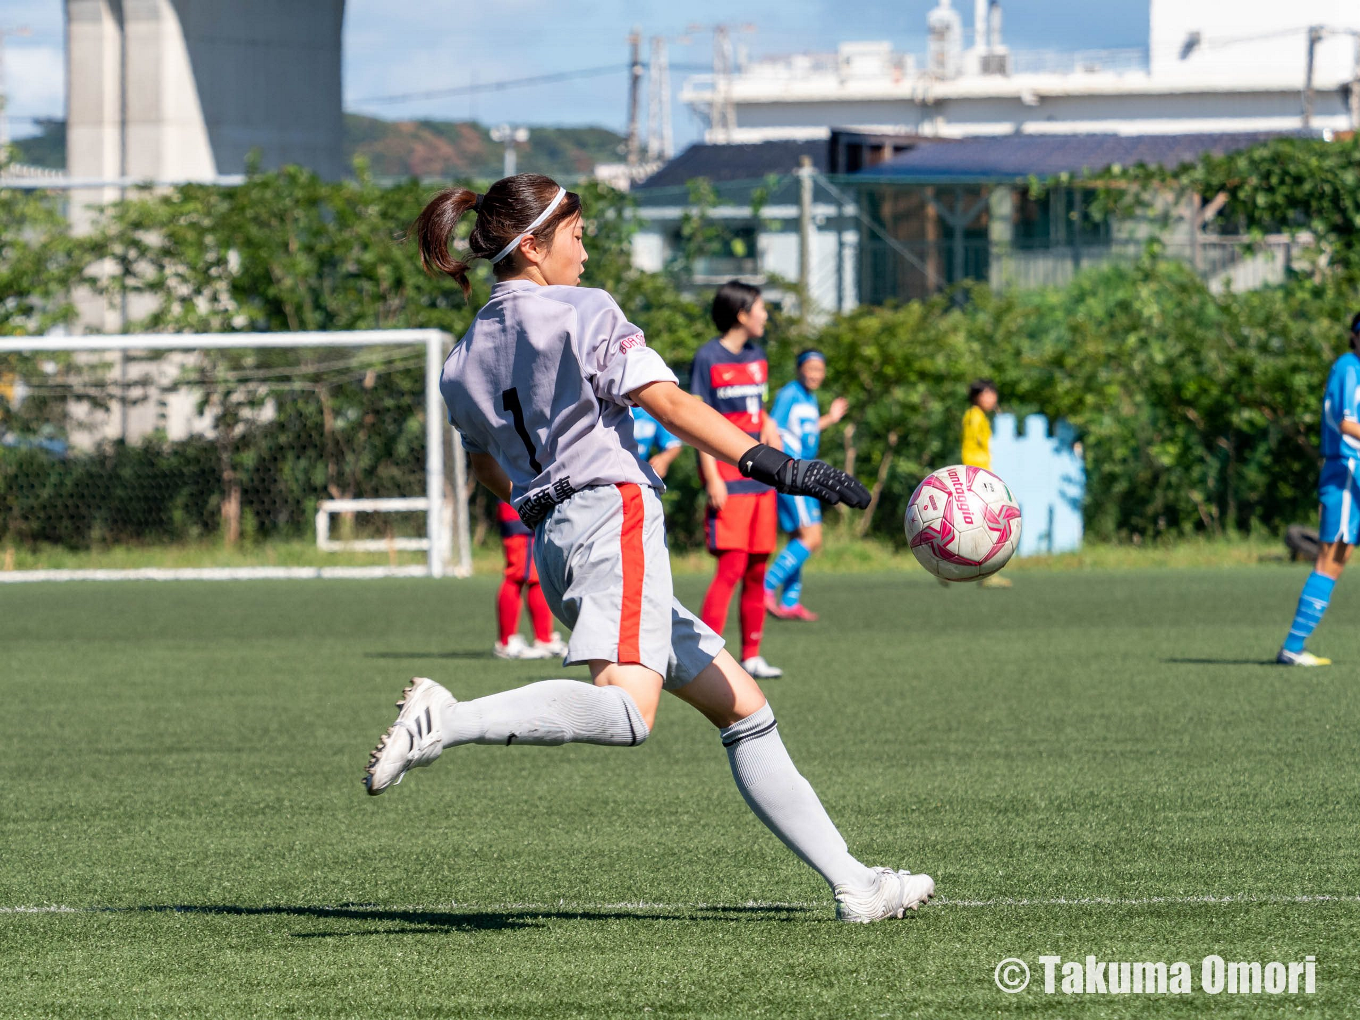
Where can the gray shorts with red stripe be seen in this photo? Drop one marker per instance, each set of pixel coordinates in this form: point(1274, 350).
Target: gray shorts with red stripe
point(606, 573)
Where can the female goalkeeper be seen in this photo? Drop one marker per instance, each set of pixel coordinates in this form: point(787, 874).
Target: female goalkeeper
point(540, 388)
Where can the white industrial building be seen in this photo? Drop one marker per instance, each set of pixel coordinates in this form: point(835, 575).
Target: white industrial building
point(1209, 66)
point(919, 163)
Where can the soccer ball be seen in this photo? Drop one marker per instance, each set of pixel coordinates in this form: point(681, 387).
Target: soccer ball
point(963, 523)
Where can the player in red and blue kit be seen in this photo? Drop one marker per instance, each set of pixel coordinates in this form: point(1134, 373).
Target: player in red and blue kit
point(520, 581)
point(731, 375)
point(1339, 496)
point(800, 422)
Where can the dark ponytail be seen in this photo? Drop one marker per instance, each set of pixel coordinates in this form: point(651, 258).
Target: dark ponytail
point(433, 230)
point(507, 208)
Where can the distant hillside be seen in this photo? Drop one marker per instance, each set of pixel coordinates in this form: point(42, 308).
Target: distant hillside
point(437, 148)
point(425, 148)
point(47, 148)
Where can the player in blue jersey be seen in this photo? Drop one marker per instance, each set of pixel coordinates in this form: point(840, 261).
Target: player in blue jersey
point(800, 422)
point(1339, 496)
point(654, 444)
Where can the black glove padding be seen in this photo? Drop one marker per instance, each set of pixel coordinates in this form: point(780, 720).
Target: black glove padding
point(814, 478)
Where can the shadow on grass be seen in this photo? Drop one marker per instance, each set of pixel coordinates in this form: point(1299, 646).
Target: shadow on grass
point(1221, 662)
point(424, 922)
point(429, 655)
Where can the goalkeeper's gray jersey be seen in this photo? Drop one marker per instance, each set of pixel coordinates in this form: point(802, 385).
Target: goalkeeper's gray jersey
point(541, 381)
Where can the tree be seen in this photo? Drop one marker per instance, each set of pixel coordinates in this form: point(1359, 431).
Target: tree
point(1287, 185)
point(41, 264)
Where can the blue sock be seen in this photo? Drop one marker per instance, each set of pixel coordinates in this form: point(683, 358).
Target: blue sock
point(793, 588)
point(793, 557)
point(1317, 592)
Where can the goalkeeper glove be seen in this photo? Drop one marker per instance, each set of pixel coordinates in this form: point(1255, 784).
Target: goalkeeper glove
point(802, 477)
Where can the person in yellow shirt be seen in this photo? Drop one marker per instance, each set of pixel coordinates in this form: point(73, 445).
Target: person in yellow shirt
point(977, 443)
point(977, 427)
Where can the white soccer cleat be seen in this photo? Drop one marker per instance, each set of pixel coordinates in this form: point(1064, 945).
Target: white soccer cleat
point(518, 648)
point(760, 669)
point(895, 894)
point(1288, 658)
point(554, 647)
point(414, 740)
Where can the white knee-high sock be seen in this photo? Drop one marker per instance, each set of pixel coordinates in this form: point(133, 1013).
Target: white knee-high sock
point(548, 712)
point(785, 801)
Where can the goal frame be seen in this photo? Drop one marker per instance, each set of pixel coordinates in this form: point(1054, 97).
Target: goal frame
point(448, 550)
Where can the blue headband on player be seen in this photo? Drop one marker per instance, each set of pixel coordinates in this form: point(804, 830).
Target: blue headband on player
point(538, 222)
point(807, 356)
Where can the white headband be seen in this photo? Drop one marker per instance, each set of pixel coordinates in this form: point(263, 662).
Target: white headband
point(561, 194)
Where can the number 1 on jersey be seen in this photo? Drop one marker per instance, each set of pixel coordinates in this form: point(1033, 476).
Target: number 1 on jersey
point(511, 406)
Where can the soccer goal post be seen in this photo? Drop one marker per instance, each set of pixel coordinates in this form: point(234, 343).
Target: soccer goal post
point(229, 456)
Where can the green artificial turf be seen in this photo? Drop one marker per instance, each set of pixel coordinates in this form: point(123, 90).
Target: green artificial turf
point(1084, 763)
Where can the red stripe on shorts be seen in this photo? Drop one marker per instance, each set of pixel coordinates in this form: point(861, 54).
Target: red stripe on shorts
point(634, 568)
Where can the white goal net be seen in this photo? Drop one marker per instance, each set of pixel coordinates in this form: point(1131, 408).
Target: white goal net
point(222, 456)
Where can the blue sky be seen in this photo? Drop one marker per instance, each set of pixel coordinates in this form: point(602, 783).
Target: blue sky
point(401, 46)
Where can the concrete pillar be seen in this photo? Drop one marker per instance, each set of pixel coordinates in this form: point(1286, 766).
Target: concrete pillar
point(186, 89)
point(167, 136)
point(1000, 234)
point(175, 90)
point(94, 100)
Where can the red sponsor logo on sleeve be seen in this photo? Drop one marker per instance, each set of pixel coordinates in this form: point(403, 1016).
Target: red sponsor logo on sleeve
point(629, 342)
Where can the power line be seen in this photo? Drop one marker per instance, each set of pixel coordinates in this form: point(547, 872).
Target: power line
point(497, 86)
point(513, 83)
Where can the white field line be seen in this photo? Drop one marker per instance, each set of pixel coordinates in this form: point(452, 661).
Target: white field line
point(1146, 901)
point(566, 907)
point(212, 574)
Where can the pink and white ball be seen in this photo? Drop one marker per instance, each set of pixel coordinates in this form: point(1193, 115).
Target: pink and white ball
point(963, 523)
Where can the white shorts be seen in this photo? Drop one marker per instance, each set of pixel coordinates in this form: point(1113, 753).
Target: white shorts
point(606, 573)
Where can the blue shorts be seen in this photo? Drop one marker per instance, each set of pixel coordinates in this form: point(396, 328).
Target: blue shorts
point(1339, 495)
point(798, 511)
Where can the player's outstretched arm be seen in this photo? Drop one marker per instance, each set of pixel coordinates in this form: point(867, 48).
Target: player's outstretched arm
point(704, 428)
point(492, 475)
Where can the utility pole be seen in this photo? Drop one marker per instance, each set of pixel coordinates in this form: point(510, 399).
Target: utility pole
point(634, 87)
point(724, 115)
point(722, 111)
point(1314, 37)
point(1355, 83)
point(660, 138)
point(509, 136)
point(805, 174)
point(4, 94)
point(1316, 33)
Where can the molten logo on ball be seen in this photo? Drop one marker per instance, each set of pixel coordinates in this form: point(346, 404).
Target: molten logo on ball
point(962, 523)
point(960, 494)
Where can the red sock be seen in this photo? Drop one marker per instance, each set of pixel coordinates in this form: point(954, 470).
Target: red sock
point(753, 605)
point(507, 609)
point(540, 613)
point(731, 565)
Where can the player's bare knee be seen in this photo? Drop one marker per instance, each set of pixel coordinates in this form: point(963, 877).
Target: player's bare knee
point(723, 692)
